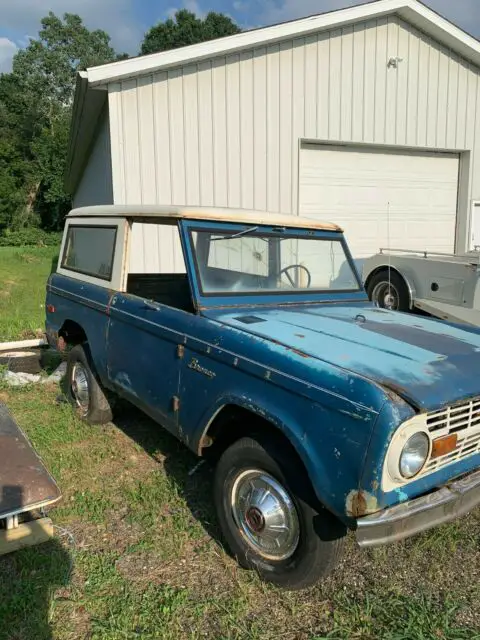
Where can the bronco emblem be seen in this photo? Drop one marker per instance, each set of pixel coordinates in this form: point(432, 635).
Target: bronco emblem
point(196, 366)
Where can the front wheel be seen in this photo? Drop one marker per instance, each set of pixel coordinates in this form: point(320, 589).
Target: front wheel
point(83, 389)
point(270, 517)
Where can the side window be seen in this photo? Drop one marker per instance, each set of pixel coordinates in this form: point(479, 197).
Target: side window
point(90, 250)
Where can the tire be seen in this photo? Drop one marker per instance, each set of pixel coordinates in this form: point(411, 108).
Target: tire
point(22, 361)
point(83, 389)
point(295, 562)
point(378, 288)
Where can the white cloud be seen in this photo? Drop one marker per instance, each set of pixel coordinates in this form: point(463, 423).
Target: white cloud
point(194, 7)
point(7, 51)
point(117, 17)
point(274, 11)
point(190, 5)
point(239, 5)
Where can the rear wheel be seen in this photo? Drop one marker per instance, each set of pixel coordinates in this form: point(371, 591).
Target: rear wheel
point(389, 292)
point(270, 517)
point(83, 390)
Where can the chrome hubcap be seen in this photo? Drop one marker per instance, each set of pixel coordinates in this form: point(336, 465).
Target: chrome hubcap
point(385, 295)
point(80, 389)
point(265, 515)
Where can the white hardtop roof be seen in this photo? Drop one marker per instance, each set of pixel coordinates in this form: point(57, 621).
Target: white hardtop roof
point(214, 214)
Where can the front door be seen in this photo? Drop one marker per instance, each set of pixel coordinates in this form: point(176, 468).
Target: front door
point(143, 355)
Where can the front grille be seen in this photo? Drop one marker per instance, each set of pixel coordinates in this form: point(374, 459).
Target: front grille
point(462, 419)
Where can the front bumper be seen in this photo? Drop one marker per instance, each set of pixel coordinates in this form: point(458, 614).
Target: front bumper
point(406, 519)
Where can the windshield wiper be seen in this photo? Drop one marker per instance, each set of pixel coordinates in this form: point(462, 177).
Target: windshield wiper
point(235, 235)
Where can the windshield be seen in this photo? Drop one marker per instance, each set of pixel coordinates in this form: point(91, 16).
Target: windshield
point(251, 261)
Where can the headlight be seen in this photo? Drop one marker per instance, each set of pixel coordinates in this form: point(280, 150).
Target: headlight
point(414, 455)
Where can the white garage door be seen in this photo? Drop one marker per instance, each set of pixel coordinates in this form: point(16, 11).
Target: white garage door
point(356, 187)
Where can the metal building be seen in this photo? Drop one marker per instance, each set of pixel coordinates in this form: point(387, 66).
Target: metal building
point(365, 116)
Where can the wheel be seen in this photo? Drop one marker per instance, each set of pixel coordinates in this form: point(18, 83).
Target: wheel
point(389, 292)
point(269, 516)
point(83, 390)
point(285, 271)
point(21, 361)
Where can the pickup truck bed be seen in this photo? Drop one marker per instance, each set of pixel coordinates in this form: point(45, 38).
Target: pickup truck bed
point(25, 487)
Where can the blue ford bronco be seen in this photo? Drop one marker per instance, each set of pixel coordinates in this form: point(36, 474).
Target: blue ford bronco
point(250, 337)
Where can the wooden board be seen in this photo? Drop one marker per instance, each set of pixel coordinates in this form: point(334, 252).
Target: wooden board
point(25, 535)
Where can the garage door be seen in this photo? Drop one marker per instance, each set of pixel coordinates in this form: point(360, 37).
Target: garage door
point(362, 189)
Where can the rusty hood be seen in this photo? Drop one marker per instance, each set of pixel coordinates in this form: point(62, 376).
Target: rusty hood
point(428, 362)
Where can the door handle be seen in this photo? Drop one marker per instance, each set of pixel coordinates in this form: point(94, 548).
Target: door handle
point(149, 306)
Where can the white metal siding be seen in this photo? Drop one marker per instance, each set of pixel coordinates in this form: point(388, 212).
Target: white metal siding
point(155, 248)
point(401, 199)
point(227, 131)
point(95, 186)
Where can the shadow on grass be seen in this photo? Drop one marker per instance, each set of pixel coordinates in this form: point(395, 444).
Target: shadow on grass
point(28, 580)
point(193, 481)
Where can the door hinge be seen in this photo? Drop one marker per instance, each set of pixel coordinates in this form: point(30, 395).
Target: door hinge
point(180, 351)
point(175, 403)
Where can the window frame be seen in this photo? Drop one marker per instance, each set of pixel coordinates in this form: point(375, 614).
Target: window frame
point(294, 233)
point(71, 227)
point(240, 299)
point(117, 279)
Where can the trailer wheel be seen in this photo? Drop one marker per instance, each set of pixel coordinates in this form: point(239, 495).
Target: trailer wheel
point(389, 292)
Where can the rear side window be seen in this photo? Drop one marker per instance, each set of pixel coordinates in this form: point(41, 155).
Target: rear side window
point(90, 250)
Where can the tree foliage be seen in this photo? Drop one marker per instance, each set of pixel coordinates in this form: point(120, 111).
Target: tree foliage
point(35, 110)
point(187, 29)
point(36, 101)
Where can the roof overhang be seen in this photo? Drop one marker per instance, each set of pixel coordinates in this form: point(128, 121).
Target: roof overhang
point(87, 108)
point(88, 103)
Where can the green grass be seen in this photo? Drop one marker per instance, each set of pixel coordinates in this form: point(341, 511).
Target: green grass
point(137, 552)
point(138, 555)
point(23, 276)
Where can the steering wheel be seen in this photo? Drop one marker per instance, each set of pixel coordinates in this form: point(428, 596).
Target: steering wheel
point(285, 271)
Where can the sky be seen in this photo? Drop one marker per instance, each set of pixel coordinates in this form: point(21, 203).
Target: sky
point(127, 20)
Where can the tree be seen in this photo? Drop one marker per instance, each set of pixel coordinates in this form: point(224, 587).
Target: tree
point(36, 101)
point(187, 29)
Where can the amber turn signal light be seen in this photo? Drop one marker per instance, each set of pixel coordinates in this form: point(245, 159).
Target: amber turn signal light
point(442, 446)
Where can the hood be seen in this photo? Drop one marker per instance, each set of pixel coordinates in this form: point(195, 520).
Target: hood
point(427, 362)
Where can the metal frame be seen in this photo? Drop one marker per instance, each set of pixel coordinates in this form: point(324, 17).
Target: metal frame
point(117, 279)
point(474, 203)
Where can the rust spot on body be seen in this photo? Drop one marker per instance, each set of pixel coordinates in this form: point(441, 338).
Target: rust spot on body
point(360, 503)
point(302, 354)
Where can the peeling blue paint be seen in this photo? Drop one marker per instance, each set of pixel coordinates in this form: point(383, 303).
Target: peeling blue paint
point(402, 496)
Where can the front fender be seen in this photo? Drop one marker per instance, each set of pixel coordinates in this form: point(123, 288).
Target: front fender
point(331, 445)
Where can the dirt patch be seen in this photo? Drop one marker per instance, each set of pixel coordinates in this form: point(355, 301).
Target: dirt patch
point(115, 535)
